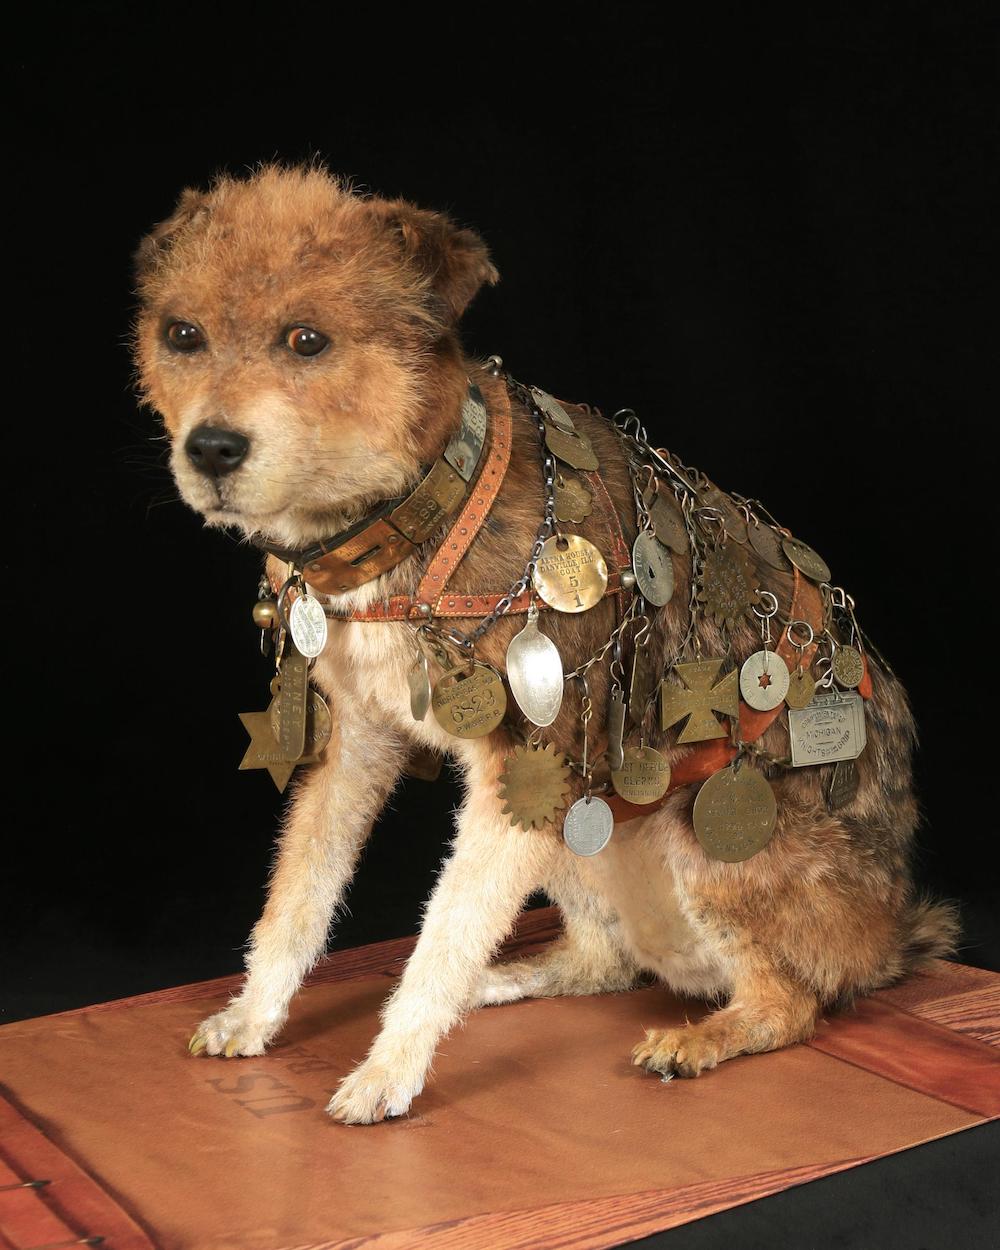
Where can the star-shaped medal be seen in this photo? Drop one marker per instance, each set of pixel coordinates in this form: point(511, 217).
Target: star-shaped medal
point(264, 750)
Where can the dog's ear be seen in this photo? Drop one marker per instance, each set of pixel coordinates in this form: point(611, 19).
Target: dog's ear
point(191, 205)
point(455, 260)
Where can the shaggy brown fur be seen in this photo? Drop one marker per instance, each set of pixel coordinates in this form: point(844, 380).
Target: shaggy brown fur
point(825, 911)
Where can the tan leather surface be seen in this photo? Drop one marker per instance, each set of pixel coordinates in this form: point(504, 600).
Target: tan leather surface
point(535, 1120)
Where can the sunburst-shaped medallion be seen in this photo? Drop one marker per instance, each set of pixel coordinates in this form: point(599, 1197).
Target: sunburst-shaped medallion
point(534, 785)
point(727, 584)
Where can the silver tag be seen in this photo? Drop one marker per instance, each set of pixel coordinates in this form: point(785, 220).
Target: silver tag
point(420, 687)
point(553, 409)
point(588, 826)
point(831, 728)
point(653, 568)
point(535, 672)
point(465, 448)
point(764, 680)
point(307, 622)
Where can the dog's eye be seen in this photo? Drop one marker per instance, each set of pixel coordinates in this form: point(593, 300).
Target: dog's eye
point(184, 337)
point(305, 341)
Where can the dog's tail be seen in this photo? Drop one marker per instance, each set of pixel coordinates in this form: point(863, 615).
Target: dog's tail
point(931, 929)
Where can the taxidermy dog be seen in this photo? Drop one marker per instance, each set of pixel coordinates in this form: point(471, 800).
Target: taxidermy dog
point(664, 709)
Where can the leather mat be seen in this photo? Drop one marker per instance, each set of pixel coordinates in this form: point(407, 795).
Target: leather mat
point(536, 1131)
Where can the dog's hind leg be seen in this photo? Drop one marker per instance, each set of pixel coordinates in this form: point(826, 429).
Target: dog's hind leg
point(491, 871)
point(331, 816)
point(589, 957)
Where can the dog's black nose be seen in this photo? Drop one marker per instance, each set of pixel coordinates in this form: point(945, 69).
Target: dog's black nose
point(214, 451)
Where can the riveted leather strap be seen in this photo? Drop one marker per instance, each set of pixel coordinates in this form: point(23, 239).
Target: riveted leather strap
point(433, 591)
point(706, 758)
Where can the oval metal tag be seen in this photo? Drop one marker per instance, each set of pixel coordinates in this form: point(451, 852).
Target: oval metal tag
point(764, 680)
point(572, 449)
point(766, 541)
point(653, 568)
point(806, 560)
point(848, 667)
point(469, 706)
point(535, 672)
point(419, 681)
point(570, 574)
point(307, 622)
point(588, 826)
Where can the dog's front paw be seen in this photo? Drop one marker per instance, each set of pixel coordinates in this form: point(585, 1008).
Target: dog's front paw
point(374, 1091)
point(677, 1052)
point(233, 1032)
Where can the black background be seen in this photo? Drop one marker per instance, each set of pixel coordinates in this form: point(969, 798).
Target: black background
point(769, 238)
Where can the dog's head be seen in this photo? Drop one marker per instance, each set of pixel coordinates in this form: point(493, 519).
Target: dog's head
point(298, 340)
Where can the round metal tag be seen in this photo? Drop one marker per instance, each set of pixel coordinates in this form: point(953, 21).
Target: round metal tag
point(848, 667)
point(764, 680)
point(766, 541)
point(535, 672)
point(469, 706)
point(588, 826)
point(570, 574)
point(307, 622)
point(653, 568)
point(643, 777)
point(801, 688)
point(806, 560)
point(734, 814)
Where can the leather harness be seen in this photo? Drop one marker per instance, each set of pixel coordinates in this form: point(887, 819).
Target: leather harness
point(390, 535)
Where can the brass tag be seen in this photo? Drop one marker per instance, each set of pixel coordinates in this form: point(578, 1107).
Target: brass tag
point(843, 785)
point(643, 777)
point(433, 501)
point(573, 501)
point(469, 705)
point(667, 521)
point(642, 683)
point(831, 728)
point(727, 584)
point(419, 681)
point(552, 409)
point(319, 725)
point(534, 785)
point(764, 680)
point(698, 698)
point(572, 449)
point(734, 814)
point(570, 574)
point(264, 750)
point(535, 672)
point(294, 679)
point(736, 525)
point(588, 826)
point(806, 560)
point(653, 568)
point(616, 728)
point(801, 688)
point(766, 541)
point(848, 667)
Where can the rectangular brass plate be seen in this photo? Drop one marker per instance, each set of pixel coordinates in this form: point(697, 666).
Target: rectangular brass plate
point(464, 450)
point(376, 549)
point(434, 500)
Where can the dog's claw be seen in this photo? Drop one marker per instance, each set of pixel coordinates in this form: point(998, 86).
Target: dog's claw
point(197, 1043)
point(231, 1047)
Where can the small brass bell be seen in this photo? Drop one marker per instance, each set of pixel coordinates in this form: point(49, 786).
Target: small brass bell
point(265, 614)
